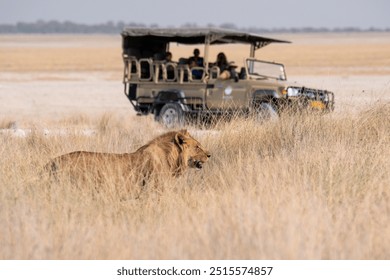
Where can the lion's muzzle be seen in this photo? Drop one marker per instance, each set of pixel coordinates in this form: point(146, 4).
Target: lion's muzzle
point(198, 164)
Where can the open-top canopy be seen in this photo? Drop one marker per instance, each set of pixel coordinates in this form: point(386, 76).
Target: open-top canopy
point(198, 36)
point(154, 42)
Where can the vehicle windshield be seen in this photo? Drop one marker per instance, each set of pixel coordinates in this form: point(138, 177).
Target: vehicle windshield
point(263, 69)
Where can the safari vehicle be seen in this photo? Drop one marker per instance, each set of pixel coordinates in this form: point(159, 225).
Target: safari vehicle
point(173, 93)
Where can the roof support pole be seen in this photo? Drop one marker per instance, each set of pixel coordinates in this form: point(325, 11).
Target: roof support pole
point(206, 53)
point(252, 51)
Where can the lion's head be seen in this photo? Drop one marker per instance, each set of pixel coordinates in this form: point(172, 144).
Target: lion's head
point(192, 151)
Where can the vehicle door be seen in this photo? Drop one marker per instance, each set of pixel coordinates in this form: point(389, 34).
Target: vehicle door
point(226, 94)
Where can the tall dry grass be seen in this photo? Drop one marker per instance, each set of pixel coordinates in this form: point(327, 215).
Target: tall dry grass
point(302, 187)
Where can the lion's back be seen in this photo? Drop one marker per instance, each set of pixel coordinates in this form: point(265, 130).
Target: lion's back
point(82, 164)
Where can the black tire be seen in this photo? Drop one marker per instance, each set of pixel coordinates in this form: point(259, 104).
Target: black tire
point(266, 111)
point(171, 115)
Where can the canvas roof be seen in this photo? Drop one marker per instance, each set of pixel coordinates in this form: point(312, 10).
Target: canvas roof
point(199, 36)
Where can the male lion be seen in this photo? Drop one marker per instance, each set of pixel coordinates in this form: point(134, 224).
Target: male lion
point(169, 154)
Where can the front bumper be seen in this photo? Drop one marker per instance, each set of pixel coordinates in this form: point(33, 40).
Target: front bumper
point(316, 99)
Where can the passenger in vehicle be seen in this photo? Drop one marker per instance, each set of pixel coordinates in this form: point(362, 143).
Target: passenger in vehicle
point(170, 68)
point(197, 74)
point(227, 70)
point(168, 57)
point(196, 59)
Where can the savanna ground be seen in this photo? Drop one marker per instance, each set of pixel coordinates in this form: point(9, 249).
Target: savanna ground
point(302, 187)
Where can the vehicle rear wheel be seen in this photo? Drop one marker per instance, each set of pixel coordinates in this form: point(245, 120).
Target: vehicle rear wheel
point(266, 111)
point(171, 115)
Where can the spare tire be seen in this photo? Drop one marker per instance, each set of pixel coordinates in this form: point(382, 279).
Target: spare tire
point(266, 111)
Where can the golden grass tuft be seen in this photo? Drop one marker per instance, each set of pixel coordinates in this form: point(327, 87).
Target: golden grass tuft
point(302, 187)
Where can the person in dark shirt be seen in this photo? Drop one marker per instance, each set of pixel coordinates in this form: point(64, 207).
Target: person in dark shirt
point(196, 61)
point(227, 70)
point(223, 65)
point(168, 57)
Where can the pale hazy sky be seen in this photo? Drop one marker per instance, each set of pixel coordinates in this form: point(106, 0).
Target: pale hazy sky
point(242, 13)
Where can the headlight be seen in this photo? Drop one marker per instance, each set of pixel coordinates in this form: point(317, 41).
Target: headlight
point(326, 98)
point(292, 92)
point(311, 95)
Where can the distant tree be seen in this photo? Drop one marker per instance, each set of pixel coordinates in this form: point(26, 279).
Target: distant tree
point(7, 28)
point(110, 27)
point(228, 26)
point(189, 25)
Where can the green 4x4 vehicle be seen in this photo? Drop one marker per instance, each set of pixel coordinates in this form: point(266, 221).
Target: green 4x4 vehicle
point(178, 91)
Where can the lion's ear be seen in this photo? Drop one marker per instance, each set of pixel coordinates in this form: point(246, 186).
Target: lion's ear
point(180, 139)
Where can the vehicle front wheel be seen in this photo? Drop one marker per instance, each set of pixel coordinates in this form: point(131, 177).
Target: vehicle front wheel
point(266, 111)
point(171, 115)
